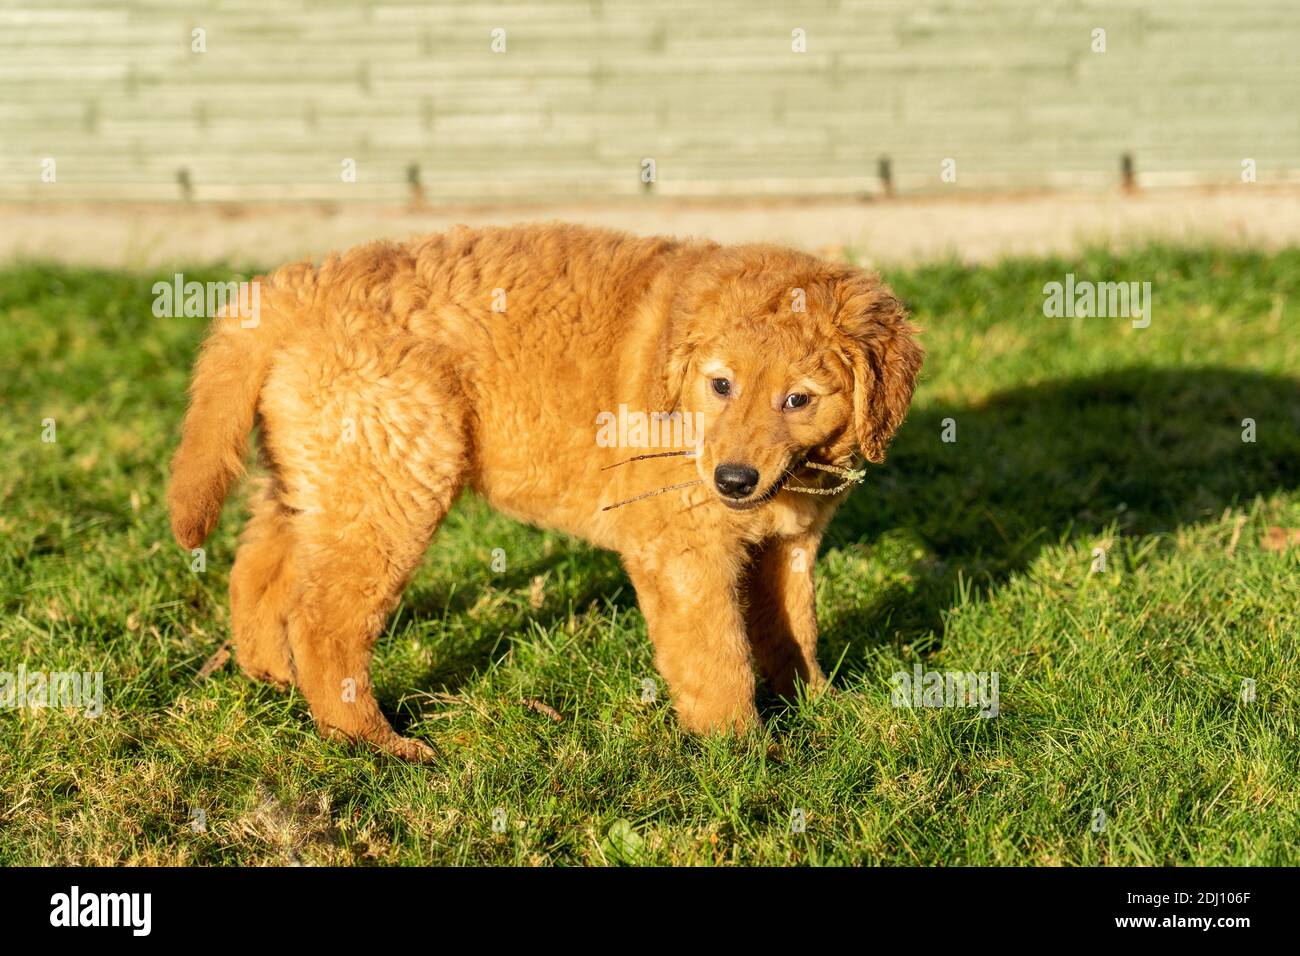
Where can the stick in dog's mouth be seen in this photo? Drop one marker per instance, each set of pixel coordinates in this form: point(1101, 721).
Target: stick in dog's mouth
point(850, 477)
point(685, 453)
point(651, 494)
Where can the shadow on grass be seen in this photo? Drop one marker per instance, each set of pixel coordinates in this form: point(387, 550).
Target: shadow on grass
point(600, 582)
point(1138, 450)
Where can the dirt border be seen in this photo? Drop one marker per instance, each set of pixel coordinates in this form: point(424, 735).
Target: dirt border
point(970, 227)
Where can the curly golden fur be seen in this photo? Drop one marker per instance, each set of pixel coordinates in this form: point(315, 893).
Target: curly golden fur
point(396, 375)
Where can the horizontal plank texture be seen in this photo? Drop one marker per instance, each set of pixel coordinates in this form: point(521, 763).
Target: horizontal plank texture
point(559, 100)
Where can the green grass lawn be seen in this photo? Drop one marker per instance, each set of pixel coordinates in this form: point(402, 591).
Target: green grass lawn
point(1120, 690)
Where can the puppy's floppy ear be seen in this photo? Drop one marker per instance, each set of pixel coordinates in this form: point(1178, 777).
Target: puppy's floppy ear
point(673, 358)
point(880, 347)
point(698, 286)
point(675, 362)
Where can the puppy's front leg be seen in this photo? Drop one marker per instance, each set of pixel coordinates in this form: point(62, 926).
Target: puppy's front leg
point(698, 631)
point(781, 613)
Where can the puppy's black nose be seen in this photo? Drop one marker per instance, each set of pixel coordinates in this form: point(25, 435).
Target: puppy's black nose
point(735, 481)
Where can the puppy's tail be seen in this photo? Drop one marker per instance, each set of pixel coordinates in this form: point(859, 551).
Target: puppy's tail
point(228, 379)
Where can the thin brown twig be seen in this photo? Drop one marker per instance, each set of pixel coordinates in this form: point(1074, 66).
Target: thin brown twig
point(651, 494)
point(215, 662)
point(850, 477)
point(660, 454)
point(540, 707)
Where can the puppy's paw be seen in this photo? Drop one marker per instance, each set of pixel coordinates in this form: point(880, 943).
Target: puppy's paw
point(406, 748)
point(815, 684)
point(384, 739)
point(790, 687)
point(278, 673)
point(718, 719)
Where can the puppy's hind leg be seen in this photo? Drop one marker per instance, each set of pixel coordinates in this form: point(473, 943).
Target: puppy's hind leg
point(349, 587)
point(261, 587)
point(370, 467)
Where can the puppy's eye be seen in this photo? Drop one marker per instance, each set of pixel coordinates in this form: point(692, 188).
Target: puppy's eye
point(722, 387)
point(796, 401)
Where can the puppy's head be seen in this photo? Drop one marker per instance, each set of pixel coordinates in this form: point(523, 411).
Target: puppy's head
point(784, 358)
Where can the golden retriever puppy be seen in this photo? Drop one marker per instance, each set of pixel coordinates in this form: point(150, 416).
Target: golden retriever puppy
point(391, 378)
